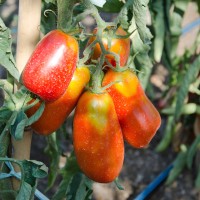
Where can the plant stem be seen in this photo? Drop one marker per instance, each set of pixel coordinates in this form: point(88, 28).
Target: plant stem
point(98, 76)
point(28, 36)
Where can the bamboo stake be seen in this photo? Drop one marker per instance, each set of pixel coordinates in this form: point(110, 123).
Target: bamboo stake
point(28, 36)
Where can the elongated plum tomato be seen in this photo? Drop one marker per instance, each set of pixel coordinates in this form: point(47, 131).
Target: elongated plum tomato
point(120, 46)
point(57, 111)
point(51, 66)
point(97, 136)
point(138, 117)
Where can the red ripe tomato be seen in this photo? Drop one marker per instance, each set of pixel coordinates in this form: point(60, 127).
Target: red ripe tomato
point(56, 112)
point(97, 136)
point(138, 117)
point(119, 46)
point(50, 68)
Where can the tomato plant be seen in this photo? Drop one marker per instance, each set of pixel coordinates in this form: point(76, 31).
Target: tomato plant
point(97, 136)
point(118, 55)
point(57, 111)
point(50, 68)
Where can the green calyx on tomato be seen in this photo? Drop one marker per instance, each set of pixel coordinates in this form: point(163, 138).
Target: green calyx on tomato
point(50, 68)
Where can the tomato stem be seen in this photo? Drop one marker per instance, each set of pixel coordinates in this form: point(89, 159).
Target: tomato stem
point(97, 78)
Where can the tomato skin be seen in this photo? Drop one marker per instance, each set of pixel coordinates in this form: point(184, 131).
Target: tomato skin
point(97, 136)
point(119, 46)
point(50, 68)
point(56, 112)
point(138, 117)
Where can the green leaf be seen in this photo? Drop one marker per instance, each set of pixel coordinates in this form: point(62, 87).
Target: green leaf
point(6, 57)
point(10, 122)
point(36, 115)
point(53, 151)
point(8, 93)
point(178, 166)
point(5, 114)
point(4, 143)
point(112, 6)
point(68, 172)
point(189, 77)
point(30, 171)
point(122, 18)
point(20, 97)
point(39, 169)
point(6, 85)
point(192, 151)
point(141, 39)
point(33, 169)
point(2, 1)
point(117, 183)
point(168, 135)
point(158, 22)
point(17, 128)
point(197, 180)
point(25, 192)
point(6, 188)
point(48, 16)
point(139, 11)
point(80, 188)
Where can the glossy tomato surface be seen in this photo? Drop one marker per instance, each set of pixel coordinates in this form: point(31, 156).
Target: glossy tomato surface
point(56, 112)
point(120, 46)
point(138, 117)
point(97, 136)
point(50, 68)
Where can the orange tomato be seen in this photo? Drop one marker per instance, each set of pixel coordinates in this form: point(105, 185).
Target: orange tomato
point(56, 112)
point(97, 136)
point(138, 117)
point(51, 66)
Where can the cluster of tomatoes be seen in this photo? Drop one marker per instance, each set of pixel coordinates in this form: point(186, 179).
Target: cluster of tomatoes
point(102, 120)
